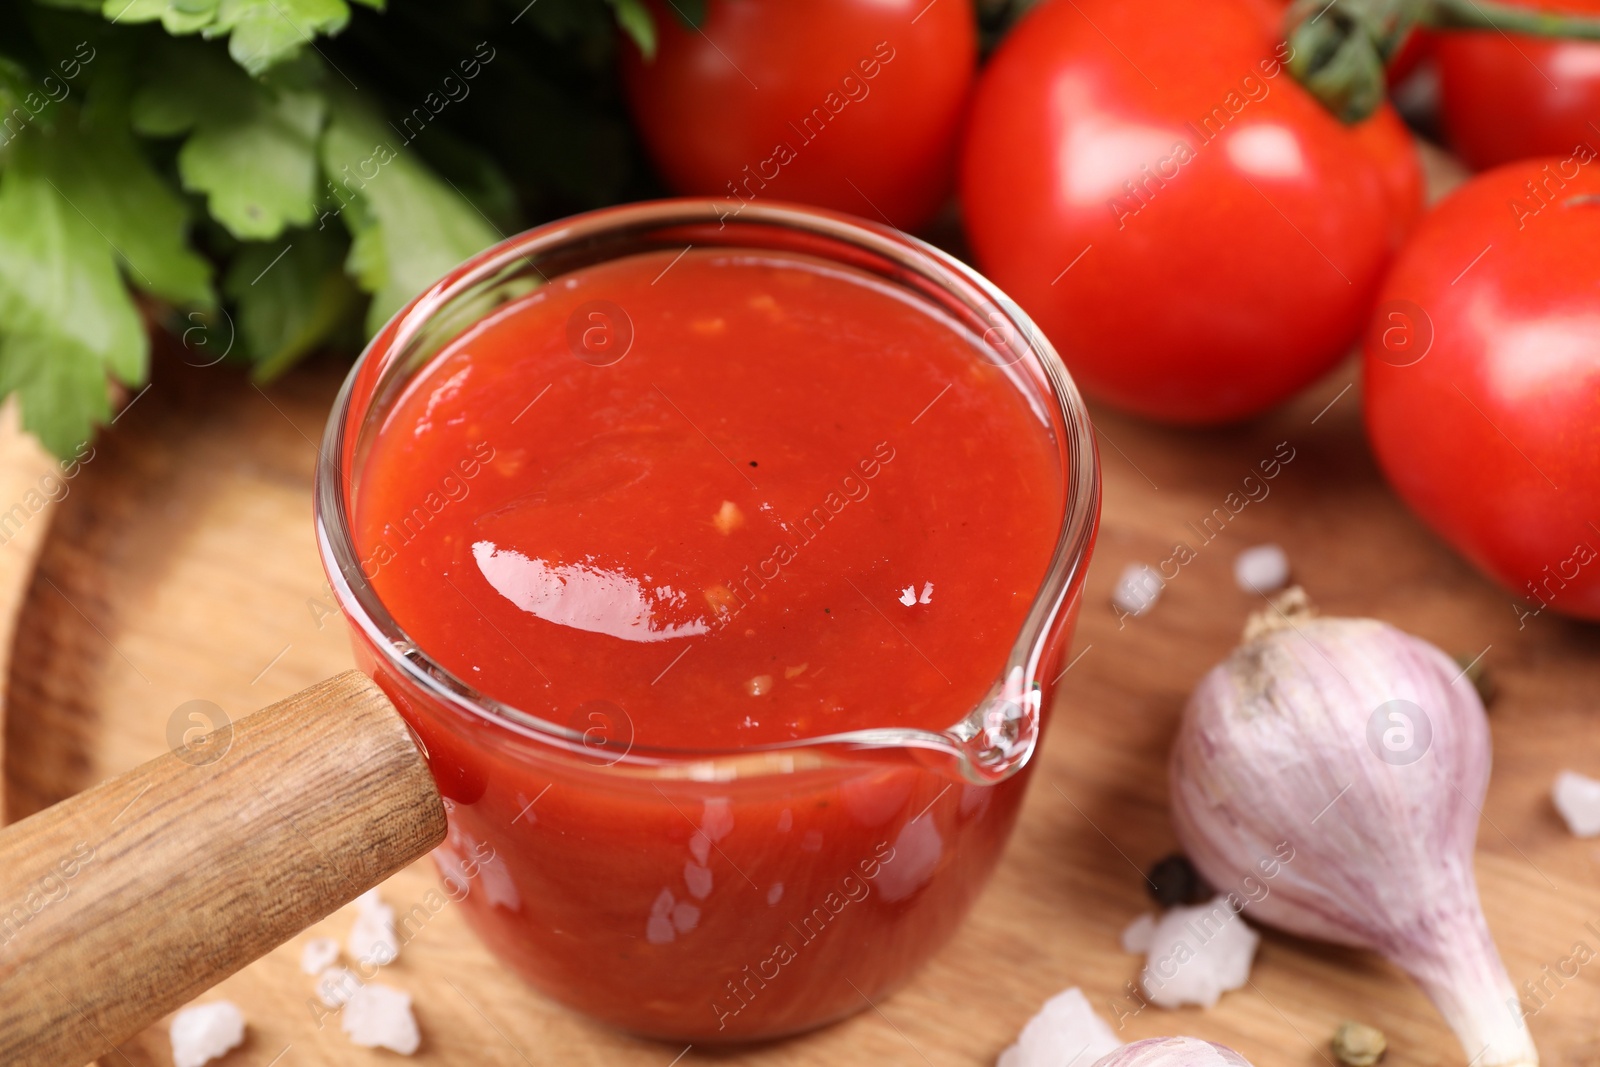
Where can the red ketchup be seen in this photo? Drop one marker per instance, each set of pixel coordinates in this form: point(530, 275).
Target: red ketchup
point(706, 503)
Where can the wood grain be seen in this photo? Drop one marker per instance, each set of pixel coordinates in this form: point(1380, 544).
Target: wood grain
point(189, 548)
point(31, 484)
point(124, 902)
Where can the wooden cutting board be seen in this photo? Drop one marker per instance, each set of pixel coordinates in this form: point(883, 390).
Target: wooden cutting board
point(31, 485)
point(181, 566)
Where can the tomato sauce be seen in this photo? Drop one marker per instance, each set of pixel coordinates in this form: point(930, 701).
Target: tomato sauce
point(709, 501)
point(796, 504)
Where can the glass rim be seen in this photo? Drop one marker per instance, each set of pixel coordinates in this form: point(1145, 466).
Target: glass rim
point(989, 742)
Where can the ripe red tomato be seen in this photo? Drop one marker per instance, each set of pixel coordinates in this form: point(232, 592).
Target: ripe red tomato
point(1197, 235)
point(1482, 378)
point(1416, 49)
point(1505, 97)
point(854, 105)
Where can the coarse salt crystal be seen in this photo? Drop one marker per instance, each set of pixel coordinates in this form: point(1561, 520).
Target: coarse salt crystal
point(373, 938)
point(927, 593)
point(1065, 1033)
point(379, 1016)
point(1136, 937)
point(1262, 569)
point(1197, 954)
point(203, 1032)
point(318, 955)
point(1577, 798)
point(908, 595)
point(336, 985)
point(1138, 589)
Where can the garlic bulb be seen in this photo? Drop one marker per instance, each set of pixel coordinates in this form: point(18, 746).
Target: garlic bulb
point(1173, 1052)
point(1331, 774)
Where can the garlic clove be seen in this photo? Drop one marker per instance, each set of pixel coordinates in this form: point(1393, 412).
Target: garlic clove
point(1330, 774)
point(1173, 1052)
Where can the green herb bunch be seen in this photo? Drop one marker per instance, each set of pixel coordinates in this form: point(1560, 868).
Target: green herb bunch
point(270, 177)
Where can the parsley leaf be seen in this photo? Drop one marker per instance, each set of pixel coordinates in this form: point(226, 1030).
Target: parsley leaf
point(635, 20)
point(267, 32)
point(408, 226)
point(261, 33)
point(15, 87)
point(176, 16)
point(66, 316)
point(77, 200)
point(98, 168)
point(251, 148)
point(290, 300)
point(116, 109)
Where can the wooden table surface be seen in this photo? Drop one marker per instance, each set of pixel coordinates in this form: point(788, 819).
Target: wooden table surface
point(181, 566)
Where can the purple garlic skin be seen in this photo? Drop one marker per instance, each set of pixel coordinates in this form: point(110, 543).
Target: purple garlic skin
point(1172, 1052)
point(1330, 773)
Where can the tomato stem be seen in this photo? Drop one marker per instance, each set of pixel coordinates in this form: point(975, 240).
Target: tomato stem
point(1339, 50)
point(1340, 47)
point(1508, 18)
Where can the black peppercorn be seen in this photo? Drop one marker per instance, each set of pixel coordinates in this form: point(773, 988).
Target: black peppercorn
point(1173, 881)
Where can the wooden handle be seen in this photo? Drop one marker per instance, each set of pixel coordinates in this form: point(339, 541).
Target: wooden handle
point(130, 899)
